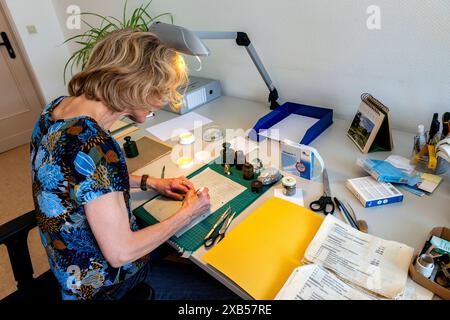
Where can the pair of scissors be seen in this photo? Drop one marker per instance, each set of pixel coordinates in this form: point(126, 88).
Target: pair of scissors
point(325, 203)
point(211, 238)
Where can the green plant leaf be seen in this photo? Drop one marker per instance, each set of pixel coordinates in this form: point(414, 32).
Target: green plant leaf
point(73, 38)
point(107, 19)
point(139, 19)
point(125, 13)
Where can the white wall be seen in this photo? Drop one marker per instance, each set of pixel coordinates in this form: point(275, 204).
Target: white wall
point(44, 49)
point(320, 52)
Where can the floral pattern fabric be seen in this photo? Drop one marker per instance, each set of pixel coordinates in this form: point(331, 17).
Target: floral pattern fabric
point(75, 161)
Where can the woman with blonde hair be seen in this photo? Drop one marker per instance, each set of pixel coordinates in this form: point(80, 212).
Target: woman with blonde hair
point(81, 184)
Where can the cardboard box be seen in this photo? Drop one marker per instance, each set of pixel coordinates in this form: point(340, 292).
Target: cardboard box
point(443, 233)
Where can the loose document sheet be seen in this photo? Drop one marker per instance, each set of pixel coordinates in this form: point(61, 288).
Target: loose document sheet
point(221, 191)
point(292, 128)
point(313, 282)
point(243, 144)
point(180, 124)
point(375, 264)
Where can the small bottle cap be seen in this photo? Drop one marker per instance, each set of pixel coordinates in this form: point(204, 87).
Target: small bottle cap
point(185, 162)
point(289, 182)
point(186, 138)
point(421, 128)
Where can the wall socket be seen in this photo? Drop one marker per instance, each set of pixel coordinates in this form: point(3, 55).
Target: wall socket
point(32, 29)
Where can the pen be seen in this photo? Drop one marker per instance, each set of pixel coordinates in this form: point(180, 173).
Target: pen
point(445, 124)
point(336, 201)
point(343, 209)
point(163, 171)
point(434, 127)
point(352, 221)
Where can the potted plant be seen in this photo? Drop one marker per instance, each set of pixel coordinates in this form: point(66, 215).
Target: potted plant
point(139, 19)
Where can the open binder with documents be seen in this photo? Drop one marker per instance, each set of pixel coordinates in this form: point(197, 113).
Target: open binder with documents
point(284, 251)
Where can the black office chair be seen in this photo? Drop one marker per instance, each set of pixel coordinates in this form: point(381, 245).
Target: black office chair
point(14, 235)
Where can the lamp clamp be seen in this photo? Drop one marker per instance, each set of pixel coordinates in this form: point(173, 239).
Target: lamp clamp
point(242, 39)
point(273, 97)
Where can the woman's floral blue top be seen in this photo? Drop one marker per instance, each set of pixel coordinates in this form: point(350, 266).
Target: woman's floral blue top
point(75, 161)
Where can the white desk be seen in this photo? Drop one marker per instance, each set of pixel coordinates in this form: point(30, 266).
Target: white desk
point(408, 222)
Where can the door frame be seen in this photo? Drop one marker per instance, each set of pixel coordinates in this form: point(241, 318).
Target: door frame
point(21, 52)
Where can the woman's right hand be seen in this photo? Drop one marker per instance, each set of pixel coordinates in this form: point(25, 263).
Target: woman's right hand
point(196, 203)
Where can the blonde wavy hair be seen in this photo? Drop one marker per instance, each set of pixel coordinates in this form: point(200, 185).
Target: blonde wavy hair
point(128, 69)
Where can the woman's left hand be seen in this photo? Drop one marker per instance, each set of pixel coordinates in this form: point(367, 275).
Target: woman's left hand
point(174, 188)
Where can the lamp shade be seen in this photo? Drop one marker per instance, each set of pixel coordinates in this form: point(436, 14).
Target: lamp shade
point(179, 38)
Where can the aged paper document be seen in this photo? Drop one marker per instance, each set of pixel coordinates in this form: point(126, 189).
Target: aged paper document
point(313, 282)
point(372, 263)
point(221, 190)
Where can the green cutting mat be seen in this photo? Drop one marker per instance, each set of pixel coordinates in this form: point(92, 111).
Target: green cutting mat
point(192, 239)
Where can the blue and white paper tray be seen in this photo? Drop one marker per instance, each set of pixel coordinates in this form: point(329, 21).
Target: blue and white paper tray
point(324, 118)
point(372, 193)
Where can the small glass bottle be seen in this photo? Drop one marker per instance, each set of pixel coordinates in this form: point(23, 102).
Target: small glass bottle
point(289, 186)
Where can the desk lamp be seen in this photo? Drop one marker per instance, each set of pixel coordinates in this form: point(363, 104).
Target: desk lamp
point(190, 43)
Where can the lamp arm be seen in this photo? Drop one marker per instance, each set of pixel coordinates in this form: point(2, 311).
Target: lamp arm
point(243, 40)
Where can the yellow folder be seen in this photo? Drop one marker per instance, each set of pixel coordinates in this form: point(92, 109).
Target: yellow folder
point(260, 253)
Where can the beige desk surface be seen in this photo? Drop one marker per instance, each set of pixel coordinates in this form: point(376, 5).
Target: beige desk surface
point(408, 222)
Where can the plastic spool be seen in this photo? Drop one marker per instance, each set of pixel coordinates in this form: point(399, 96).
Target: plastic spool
point(185, 162)
point(213, 134)
point(186, 138)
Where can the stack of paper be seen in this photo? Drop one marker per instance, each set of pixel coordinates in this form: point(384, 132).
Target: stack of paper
point(377, 265)
point(443, 149)
point(351, 265)
point(429, 182)
point(313, 282)
point(292, 128)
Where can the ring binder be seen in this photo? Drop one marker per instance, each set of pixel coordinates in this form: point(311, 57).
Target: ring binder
point(373, 102)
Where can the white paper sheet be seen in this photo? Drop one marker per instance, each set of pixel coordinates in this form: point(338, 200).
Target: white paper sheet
point(414, 291)
point(401, 163)
point(370, 262)
point(173, 128)
point(243, 144)
point(221, 190)
point(292, 128)
point(313, 282)
point(297, 198)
